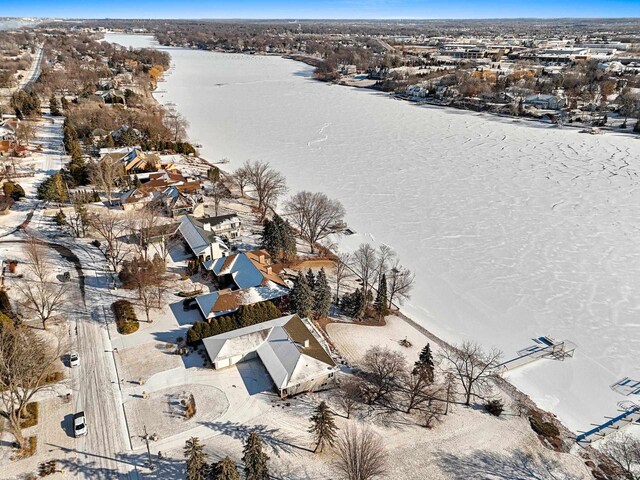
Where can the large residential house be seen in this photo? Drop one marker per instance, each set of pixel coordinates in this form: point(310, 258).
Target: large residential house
point(293, 356)
point(8, 129)
point(243, 279)
point(164, 187)
point(544, 102)
point(134, 160)
point(205, 244)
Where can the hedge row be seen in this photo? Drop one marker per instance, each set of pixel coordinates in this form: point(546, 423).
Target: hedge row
point(126, 319)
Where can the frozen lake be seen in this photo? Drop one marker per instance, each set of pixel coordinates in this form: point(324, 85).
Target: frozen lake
point(514, 229)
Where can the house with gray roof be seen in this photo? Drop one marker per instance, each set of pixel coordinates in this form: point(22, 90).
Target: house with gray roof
point(289, 348)
point(204, 243)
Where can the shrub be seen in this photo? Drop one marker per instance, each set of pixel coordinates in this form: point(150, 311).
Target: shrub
point(542, 428)
point(13, 190)
point(60, 218)
point(29, 449)
point(29, 417)
point(126, 319)
point(494, 407)
point(53, 377)
point(96, 243)
point(5, 304)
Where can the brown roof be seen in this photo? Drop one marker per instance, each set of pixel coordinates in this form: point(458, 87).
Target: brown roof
point(227, 300)
point(298, 332)
point(262, 261)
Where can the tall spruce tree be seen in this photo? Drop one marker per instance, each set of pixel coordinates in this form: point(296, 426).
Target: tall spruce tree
point(255, 460)
point(381, 303)
point(323, 427)
point(278, 238)
point(54, 106)
point(194, 453)
point(302, 296)
point(311, 280)
point(322, 295)
point(225, 469)
point(424, 365)
point(287, 238)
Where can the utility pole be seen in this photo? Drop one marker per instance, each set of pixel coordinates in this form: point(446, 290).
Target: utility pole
point(146, 439)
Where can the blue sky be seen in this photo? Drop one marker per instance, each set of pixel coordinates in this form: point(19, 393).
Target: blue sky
point(320, 8)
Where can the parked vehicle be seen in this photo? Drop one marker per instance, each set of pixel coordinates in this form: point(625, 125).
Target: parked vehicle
point(74, 359)
point(79, 424)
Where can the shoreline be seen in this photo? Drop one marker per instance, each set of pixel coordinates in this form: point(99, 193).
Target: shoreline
point(342, 82)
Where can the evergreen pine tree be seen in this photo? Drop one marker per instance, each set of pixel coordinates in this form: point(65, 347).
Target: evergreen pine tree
point(424, 365)
point(5, 304)
point(287, 239)
point(323, 427)
point(322, 295)
point(255, 460)
point(302, 297)
point(225, 469)
point(271, 238)
point(381, 303)
point(311, 280)
point(54, 106)
point(194, 453)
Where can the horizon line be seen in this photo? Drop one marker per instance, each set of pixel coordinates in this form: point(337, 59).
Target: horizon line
point(294, 19)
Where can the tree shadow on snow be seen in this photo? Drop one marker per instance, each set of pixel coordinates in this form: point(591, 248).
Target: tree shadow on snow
point(487, 465)
point(273, 438)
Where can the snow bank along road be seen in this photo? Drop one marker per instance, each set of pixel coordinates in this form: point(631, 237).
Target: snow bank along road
point(515, 230)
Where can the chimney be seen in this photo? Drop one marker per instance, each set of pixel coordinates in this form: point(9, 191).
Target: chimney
point(306, 343)
point(269, 270)
point(206, 227)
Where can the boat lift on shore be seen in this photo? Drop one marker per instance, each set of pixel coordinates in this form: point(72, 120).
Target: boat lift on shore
point(630, 413)
point(545, 347)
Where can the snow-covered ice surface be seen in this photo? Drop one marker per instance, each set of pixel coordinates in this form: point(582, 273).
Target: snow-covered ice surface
point(515, 229)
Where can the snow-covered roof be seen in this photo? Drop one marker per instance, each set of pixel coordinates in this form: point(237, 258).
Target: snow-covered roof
point(287, 348)
point(197, 238)
point(248, 269)
point(223, 302)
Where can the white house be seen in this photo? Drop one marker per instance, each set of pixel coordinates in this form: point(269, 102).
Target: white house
point(292, 355)
point(203, 243)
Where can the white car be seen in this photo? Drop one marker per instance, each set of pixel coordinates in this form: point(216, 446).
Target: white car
point(79, 424)
point(74, 359)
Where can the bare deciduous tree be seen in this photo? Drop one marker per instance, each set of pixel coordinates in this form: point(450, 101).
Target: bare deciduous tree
point(176, 124)
point(314, 215)
point(349, 394)
point(364, 262)
point(267, 183)
point(41, 295)
point(624, 449)
point(144, 226)
point(241, 179)
point(218, 193)
point(385, 256)
point(25, 362)
point(383, 369)
point(342, 271)
point(106, 174)
point(400, 281)
point(25, 132)
point(361, 454)
point(417, 390)
point(111, 227)
point(473, 367)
